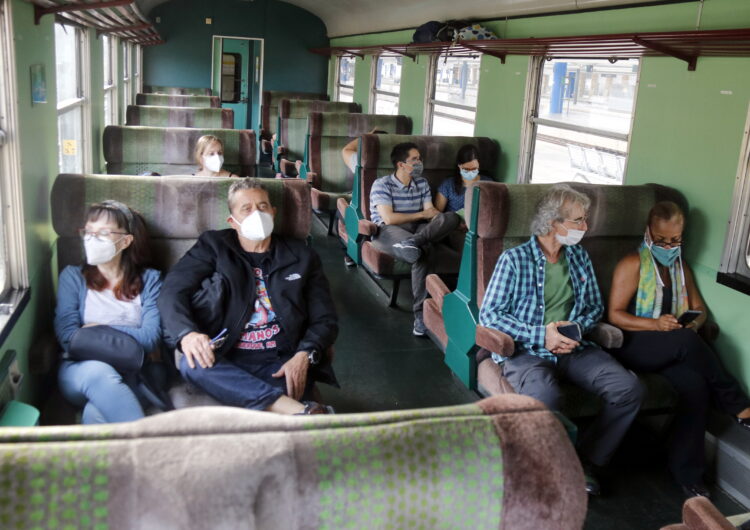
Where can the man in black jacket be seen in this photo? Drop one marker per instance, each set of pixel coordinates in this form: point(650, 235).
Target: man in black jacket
point(251, 312)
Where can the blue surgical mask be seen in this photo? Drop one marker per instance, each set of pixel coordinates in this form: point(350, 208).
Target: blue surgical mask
point(416, 169)
point(665, 256)
point(469, 174)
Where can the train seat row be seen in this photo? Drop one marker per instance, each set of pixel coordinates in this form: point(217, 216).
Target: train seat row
point(172, 100)
point(155, 116)
point(176, 90)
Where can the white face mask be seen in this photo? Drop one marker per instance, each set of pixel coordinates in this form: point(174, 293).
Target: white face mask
point(572, 238)
point(213, 163)
point(98, 252)
point(257, 226)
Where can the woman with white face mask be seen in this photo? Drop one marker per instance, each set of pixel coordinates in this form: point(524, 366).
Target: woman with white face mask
point(450, 194)
point(113, 294)
point(651, 288)
point(209, 155)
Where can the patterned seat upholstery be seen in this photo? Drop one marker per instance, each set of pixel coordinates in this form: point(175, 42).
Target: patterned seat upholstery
point(499, 217)
point(176, 90)
point(504, 462)
point(292, 127)
point(269, 112)
point(197, 117)
point(439, 157)
point(164, 100)
point(169, 150)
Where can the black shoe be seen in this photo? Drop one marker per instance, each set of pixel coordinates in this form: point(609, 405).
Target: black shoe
point(743, 422)
point(696, 490)
point(590, 476)
point(408, 251)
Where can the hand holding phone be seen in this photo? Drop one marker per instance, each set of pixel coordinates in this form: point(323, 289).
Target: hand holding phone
point(688, 316)
point(571, 331)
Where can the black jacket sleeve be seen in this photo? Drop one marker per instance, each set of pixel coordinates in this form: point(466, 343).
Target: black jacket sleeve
point(182, 281)
point(322, 323)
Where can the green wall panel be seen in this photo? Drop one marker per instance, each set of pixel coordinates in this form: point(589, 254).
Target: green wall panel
point(362, 69)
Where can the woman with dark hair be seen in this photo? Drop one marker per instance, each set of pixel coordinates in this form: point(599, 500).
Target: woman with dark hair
point(114, 292)
point(450, 194)
point(651, 289)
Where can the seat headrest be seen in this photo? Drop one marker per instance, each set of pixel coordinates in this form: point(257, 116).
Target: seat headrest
point(351, 125)
point(301, 108)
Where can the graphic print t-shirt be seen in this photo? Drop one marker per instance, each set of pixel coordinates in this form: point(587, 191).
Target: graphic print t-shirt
point(262, 330)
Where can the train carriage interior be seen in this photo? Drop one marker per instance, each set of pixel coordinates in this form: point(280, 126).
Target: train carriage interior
point(635, 112)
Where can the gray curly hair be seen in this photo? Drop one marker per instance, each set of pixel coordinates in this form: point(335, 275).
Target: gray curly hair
point(246, 183)
point(551, 207)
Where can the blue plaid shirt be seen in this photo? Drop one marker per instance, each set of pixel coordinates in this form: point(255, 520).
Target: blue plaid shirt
point(514, 300)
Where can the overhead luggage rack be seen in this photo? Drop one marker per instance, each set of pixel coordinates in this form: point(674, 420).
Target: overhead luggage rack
point(120, 18)
point(684, 45)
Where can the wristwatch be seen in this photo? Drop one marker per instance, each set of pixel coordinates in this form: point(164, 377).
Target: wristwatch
point(314, 357)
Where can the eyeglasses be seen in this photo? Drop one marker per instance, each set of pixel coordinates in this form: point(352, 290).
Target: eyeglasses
point(579, 221)
point(102, 235)
point(676, 242)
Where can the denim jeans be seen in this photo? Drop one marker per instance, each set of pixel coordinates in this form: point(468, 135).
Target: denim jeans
point(100, 390)
point(240, 380)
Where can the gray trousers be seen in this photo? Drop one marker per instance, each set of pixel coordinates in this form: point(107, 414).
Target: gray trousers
point(425, 234)
point(619, 390)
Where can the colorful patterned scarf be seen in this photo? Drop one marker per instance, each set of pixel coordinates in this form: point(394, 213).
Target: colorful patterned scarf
point(648, 300)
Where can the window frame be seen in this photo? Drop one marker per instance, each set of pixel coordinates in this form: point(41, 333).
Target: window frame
point(374, 91)
point(338, 84)
point(531, 120)
point(431, 102)
point(126, 87)
point(83, 97)
point(111, 85)
point(137, 51)
point(734, 269)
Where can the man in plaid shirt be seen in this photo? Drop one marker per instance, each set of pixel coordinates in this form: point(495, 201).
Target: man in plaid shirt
point(546, 283)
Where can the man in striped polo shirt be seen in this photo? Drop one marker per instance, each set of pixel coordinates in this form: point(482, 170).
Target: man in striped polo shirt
point(408, 223)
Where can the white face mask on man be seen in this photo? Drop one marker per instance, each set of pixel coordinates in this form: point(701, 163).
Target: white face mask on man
point(257, 226)
point(99, 251)
point(213, 162)
point(573, 237)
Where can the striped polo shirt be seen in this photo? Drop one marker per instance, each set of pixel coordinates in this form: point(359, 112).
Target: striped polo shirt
point(403, 199)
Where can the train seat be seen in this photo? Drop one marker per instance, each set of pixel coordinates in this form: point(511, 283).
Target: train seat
point(699, 513)
point(169, 150)
point(503, 462)
point(292, 124)
point(176, 90)
point(206, 118)
point(499, 217)
point(328, 133)
point(165, 100)
point(439, 157)
point(177, 210)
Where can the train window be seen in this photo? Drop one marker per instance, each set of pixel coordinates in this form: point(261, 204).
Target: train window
point(231, 77)
point(71, 60)
point(110, 79)
point(453, 90)
point(386, 85)
point(137, 62)
point(345, 79)
point(127, 90)
point(734, 270)
point(581, 113)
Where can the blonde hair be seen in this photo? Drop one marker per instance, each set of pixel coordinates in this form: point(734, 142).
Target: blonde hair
point(201, 145)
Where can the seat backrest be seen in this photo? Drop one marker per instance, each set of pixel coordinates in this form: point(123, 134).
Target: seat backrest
point(176, 209)
point(206, 117)
point(169, 150)
point(617, 219)
point(293, 114)
point(269, 112)
point(164, 100)
point(176, 90)
point(330, 132)
point(438, 155)
point(504, 462)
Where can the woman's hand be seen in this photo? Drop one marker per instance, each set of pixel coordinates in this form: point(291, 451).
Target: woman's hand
point(666, 323)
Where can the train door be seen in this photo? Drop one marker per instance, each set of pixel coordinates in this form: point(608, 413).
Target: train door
point(237, 77)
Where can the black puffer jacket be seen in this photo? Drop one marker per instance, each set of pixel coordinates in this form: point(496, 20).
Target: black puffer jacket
point(296, 284)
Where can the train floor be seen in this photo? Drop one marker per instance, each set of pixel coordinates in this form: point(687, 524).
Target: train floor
point(381, 366)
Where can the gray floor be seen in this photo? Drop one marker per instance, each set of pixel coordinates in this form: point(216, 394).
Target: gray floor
point(381, 366)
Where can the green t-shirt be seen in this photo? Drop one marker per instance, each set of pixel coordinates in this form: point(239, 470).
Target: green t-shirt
point(558, 291)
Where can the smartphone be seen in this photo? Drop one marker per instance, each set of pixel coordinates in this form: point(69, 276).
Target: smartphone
point(688, 316)
point(571, 331)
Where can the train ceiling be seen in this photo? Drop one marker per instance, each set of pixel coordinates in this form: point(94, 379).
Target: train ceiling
point(352, 17)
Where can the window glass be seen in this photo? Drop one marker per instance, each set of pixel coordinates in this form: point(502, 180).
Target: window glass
point(387, 85)
point(70, 134)
point(107, 57)
point(454, 101)
point(345, 82)
point(66, 62)
point(582, 122)
point(71, 100)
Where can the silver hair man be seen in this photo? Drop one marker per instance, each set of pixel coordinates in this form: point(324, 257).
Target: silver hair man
point(246, 183)
point(552, 207)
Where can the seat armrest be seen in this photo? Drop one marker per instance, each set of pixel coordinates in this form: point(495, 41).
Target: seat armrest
point(287, 168)
point(494, 341)
point(606, 335)
point(699, 512)
point(341, 205)
point(436, 288)
point(313, 179)
point(709, 331)
point(367, 228)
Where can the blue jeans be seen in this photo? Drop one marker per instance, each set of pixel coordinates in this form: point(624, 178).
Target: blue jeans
point(240, 380)
point(100, 390)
